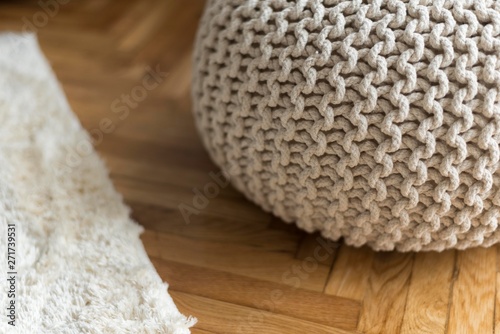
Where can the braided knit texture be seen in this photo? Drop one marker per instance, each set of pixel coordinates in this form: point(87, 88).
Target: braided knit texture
point(377, 121)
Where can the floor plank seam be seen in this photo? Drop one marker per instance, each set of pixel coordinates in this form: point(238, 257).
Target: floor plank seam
point(407, 292)
point(330, 272)
point(452, 286)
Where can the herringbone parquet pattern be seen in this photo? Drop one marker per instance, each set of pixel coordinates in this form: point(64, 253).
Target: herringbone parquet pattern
point(126, 66)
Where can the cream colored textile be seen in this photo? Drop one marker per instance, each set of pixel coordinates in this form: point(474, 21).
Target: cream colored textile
point(81, 267)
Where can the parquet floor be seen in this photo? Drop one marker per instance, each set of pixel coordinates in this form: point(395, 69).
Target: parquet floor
point(234, 267)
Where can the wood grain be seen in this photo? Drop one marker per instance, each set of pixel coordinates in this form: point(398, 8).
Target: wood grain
point(350, 273)
point(240, 259)
point(200, 331)
point(226, 264)
point(385, 299)
point(277, 298)
point(496, 324)
point(428, 294)
point(473, 299)
point(222, 317)
point(310, 248)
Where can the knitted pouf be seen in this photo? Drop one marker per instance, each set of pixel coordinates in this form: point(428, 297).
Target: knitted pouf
point(377, 121)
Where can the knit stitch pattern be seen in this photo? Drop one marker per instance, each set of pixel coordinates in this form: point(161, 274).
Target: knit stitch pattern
point(376, 121)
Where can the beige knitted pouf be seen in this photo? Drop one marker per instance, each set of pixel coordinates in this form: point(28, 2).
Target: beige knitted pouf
point(377, 121)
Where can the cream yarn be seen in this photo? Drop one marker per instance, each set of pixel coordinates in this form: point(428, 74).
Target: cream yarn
point(377, 121)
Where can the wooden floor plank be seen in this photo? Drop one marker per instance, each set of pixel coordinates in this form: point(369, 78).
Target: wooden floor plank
point(276, 267)
point(473, 299)
point(200, 331)
point(496, 323)
point(350, 272)
point(178, 82)
point(171, 196)
point(498, 257)
point(276, 298)
point(216, 229)
point(429, 292)
point(228, 318)
point(388, 280)
point(310, 248)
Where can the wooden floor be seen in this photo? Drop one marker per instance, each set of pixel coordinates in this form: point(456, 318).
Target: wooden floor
point(234, 267)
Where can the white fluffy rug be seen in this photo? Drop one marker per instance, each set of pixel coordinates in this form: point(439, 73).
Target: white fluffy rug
point(81, 267)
